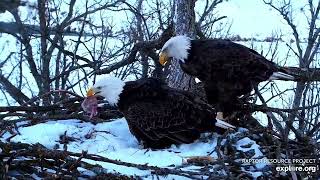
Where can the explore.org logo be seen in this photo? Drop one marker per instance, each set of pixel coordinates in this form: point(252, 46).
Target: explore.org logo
point(286, 165)
point(312, 168)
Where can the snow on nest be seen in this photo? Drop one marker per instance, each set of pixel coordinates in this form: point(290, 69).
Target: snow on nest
point(113, 140)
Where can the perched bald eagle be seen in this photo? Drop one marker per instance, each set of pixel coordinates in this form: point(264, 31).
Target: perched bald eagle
point(157, 115)
point(228, 70)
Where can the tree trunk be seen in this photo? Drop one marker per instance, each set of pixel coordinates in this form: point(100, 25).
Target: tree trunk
point(185, 25)
point(140, 33)
point(45, 58)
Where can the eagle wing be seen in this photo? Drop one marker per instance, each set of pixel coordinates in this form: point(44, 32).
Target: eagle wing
point(173, 117)
point(230, 60)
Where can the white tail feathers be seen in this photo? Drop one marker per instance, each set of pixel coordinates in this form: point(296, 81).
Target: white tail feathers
point(224, 125)
point(280, 76)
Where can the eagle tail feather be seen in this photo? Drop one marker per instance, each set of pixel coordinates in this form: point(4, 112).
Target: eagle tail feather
point(280, 76)
point(224, 125)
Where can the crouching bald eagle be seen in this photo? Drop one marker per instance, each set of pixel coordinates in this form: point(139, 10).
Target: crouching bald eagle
point(228, 70)
point(157, 115)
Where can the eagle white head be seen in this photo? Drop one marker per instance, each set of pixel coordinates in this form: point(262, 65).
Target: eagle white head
point(176, 47)
point(109, 87)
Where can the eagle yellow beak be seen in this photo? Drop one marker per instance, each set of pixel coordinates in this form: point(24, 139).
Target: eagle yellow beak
point(163, 58)
point(90, 92)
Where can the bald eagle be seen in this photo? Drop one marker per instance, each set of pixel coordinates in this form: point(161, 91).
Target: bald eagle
point(227, 70)
point(157, 115)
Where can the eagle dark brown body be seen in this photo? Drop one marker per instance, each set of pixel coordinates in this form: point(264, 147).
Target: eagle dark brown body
point(160, 116)
point(157, 115)
point(228, 70)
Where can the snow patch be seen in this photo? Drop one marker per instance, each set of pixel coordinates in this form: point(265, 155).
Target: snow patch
point(113, 140)
point(246, 144)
